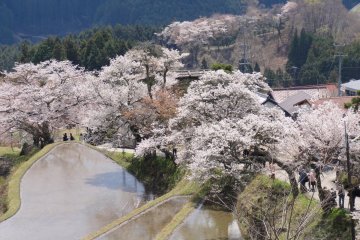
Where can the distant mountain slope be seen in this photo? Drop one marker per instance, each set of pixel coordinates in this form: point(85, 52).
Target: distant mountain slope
point(356, 9)
point(351, 3)
point(43, 17)
point(21, 19)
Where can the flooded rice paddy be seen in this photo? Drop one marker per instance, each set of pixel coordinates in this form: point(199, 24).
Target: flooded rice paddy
point(69, 193)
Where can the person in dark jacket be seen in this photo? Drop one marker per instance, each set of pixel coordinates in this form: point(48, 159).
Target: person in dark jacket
point(65, 137)
point(341, 195)
point(303, 179)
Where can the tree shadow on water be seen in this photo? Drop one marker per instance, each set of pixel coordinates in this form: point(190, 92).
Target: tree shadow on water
point(119, 180)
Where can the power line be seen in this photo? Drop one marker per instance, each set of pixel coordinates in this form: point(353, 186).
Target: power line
point(340, 55)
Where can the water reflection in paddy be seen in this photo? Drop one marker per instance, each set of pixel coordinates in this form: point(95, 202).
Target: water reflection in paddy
point(69, 193)
point(205, 224)
point(149, 224)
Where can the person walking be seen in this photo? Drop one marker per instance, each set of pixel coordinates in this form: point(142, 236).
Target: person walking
point(174, 151)
point(303, 179)
point(272, 170)
point(71, 137)
point(65, 137)
point(312, 180)
point(341, 195)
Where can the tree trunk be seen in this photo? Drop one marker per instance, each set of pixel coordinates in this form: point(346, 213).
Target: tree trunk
point(164, 78)
point(148, 81)
point(135, 131)
point(41, 133)
point(318, 182)
point(290, 171)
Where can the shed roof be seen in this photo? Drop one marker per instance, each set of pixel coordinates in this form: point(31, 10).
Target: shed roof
point(352, 85)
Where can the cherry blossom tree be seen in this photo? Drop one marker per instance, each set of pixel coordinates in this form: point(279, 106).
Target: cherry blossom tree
point(221, 126)
point(40, 98)
point(201, 30)
point(130, 90)
point(323, 136)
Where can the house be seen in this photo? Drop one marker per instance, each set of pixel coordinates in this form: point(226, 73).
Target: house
point(268, 101)
point(351, 88)
point(315, 91)
point(291, 99)
point(293, 103)
point(339, 101)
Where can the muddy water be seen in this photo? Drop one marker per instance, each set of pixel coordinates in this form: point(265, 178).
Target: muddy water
point(205, 224)
point(70, 193)
point(149, 224)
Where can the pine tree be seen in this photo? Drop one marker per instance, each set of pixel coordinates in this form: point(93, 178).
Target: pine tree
point(25, 52)
point(58, 51)
point(257, 67)
point(204, 64)
point(72, 50)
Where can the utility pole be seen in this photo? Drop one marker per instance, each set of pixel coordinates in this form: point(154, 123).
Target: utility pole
point(348, 164)
point(351, 192)
point(339, 54)
point(244, 62)
point(294, 69)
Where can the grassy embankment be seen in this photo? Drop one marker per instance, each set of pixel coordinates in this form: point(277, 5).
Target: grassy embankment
point(11, 153)
point(265, 195)
point(12, 183)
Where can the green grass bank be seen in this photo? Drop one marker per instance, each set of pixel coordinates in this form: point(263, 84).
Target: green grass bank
point(12, 183)
point(265, 206)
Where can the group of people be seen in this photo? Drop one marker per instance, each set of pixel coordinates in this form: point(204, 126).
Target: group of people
point(66, 138)
point(330, 194)
point(71, 137)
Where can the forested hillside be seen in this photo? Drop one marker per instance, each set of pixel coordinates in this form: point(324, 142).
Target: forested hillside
point(44, 17)
point(91, 49)
point(34, 19)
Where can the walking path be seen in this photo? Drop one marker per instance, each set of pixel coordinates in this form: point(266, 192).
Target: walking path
point(108, 147)
point(327, 179)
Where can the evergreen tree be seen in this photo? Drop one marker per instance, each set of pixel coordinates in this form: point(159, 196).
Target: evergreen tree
point(204, 64)
point(293, 52)
point(58, 52)
point(245, 66)
point(257, 67)
point(44, 51)
point(270, 77)
point(304, 46)
point(299, 50)
point(25, 52)
point(72, 51)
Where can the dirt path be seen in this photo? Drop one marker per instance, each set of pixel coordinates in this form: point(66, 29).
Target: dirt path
point(327, 180)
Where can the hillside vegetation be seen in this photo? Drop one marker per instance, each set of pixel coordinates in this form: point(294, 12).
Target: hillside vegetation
point(58, 17)
point(34, 19)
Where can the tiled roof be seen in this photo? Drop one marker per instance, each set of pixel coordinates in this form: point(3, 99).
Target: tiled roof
point(315, 91)
point(339, 101)
point(291, 104)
